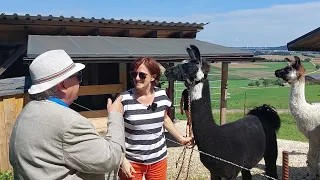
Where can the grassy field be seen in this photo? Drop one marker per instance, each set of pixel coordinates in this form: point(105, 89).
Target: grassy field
point(288, 129)
point(240, 95)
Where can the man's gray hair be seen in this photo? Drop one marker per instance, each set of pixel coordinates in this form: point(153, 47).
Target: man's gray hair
point(52, 92)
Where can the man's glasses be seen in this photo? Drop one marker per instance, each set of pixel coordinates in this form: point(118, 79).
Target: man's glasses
point(134, 74)
point(78, 75)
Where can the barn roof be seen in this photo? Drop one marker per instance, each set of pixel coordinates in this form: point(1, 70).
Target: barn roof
point(115, 49)
point(306, 42)
point(39, 17)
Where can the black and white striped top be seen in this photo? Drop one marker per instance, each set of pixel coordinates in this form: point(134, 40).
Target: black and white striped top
point(145, 141)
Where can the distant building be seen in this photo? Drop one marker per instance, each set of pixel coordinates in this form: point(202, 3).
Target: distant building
point(313, 79)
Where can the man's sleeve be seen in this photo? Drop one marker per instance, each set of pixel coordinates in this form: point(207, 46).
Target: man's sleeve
point(86, 151)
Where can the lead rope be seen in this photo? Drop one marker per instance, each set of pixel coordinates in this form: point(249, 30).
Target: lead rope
point(201, 152)
point(183, 153)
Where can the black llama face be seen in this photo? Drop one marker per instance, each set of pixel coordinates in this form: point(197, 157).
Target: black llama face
point(292, 72)
point(191, 71)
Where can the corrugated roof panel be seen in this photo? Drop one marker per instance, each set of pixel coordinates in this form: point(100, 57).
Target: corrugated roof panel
point(104, 46)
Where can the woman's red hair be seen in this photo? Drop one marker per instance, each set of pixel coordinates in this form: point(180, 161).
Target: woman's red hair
point(151, 65)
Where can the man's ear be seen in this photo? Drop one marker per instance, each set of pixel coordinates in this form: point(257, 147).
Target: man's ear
point(62, 87)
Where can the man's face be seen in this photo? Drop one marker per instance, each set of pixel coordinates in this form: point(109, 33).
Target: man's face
point(71, 88)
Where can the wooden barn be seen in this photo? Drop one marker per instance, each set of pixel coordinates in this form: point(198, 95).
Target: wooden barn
point(106, 47)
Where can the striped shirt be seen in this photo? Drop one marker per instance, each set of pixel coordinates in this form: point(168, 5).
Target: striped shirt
point(145, 141)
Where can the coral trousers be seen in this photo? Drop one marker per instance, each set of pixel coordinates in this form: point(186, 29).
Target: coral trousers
point(156, 171)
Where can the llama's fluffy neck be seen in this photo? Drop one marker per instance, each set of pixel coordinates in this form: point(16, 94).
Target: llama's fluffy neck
point(297, 95)
point(201, 110)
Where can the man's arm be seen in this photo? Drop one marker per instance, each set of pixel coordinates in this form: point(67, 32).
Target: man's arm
point(86, 151)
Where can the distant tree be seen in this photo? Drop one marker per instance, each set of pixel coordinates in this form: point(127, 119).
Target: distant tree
point(251, 84)
point(307, 60)
point(266, 82)
point(278, 82)
point(257, 83)
point(317, 66)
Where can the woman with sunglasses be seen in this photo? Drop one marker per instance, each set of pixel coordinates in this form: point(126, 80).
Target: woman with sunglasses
point(145, 114)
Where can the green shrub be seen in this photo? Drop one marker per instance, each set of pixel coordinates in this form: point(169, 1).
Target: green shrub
point(7, 175)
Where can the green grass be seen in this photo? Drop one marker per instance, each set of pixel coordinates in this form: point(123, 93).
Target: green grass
point(288, 129)
point(7, 175)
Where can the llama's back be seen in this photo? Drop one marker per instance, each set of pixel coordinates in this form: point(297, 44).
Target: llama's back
point(241, 142)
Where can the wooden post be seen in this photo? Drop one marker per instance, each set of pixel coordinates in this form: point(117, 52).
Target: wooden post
point(223, 97)
point(171, 96)
point(123, 75)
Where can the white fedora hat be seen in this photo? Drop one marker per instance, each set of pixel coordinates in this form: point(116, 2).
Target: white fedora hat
point(50, 68)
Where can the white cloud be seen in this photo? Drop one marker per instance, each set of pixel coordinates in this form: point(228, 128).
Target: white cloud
point(272, 26)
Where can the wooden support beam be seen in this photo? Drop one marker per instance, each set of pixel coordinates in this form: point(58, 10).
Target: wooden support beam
point(100, 89)
point(177, 35)
point(94, 32)
point(123, 75)
point(152, 34)
point(223, 97)
point(16, 55)
point(171, 97)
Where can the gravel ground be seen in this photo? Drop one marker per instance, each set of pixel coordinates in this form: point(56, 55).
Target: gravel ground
point(297, 160)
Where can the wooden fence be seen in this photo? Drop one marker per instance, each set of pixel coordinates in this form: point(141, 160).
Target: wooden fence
point(11, 106)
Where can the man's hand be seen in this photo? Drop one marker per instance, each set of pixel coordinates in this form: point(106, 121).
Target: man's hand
point(127, 168)
point(116, 106)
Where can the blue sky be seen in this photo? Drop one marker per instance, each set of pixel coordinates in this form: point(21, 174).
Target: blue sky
point(231, 22)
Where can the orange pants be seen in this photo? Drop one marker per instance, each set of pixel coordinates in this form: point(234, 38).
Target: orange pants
point(156, 171)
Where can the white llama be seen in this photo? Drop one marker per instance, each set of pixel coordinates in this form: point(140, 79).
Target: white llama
point(307, 115)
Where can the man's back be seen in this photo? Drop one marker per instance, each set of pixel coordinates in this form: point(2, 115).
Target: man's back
point(50, 141)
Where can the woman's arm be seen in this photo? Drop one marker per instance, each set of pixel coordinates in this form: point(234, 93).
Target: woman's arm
point(174, 132)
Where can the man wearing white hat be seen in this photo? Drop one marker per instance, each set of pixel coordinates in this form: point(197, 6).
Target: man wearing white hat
point(51, 141)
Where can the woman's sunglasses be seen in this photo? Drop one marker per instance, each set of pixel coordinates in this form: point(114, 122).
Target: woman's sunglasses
point(78, 75)
point(134, 74)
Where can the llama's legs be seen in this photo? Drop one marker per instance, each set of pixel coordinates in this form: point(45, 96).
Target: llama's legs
point(271, 155)
point(312, 160)
point(246, 175)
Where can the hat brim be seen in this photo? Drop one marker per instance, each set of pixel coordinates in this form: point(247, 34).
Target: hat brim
point(38, 88)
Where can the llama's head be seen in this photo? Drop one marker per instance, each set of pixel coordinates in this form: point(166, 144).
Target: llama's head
point(191, 71)
point(291, 73)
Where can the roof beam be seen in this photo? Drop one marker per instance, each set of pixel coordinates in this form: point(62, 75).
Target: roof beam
point(191, 35)
point(177, 35)
point(16, 55)
point(94, 32)
point(63, 31)
point(124, 33)
point(152, 34)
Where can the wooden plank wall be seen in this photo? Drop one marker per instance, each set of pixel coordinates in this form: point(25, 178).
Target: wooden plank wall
point(10, 107)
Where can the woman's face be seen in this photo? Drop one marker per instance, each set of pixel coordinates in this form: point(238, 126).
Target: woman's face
point(143, 77)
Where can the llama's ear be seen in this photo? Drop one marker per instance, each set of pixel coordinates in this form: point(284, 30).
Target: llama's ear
point(297, 62)
point(288, 60)
point(191, 54)
point(297, 59)
point(196, 52)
